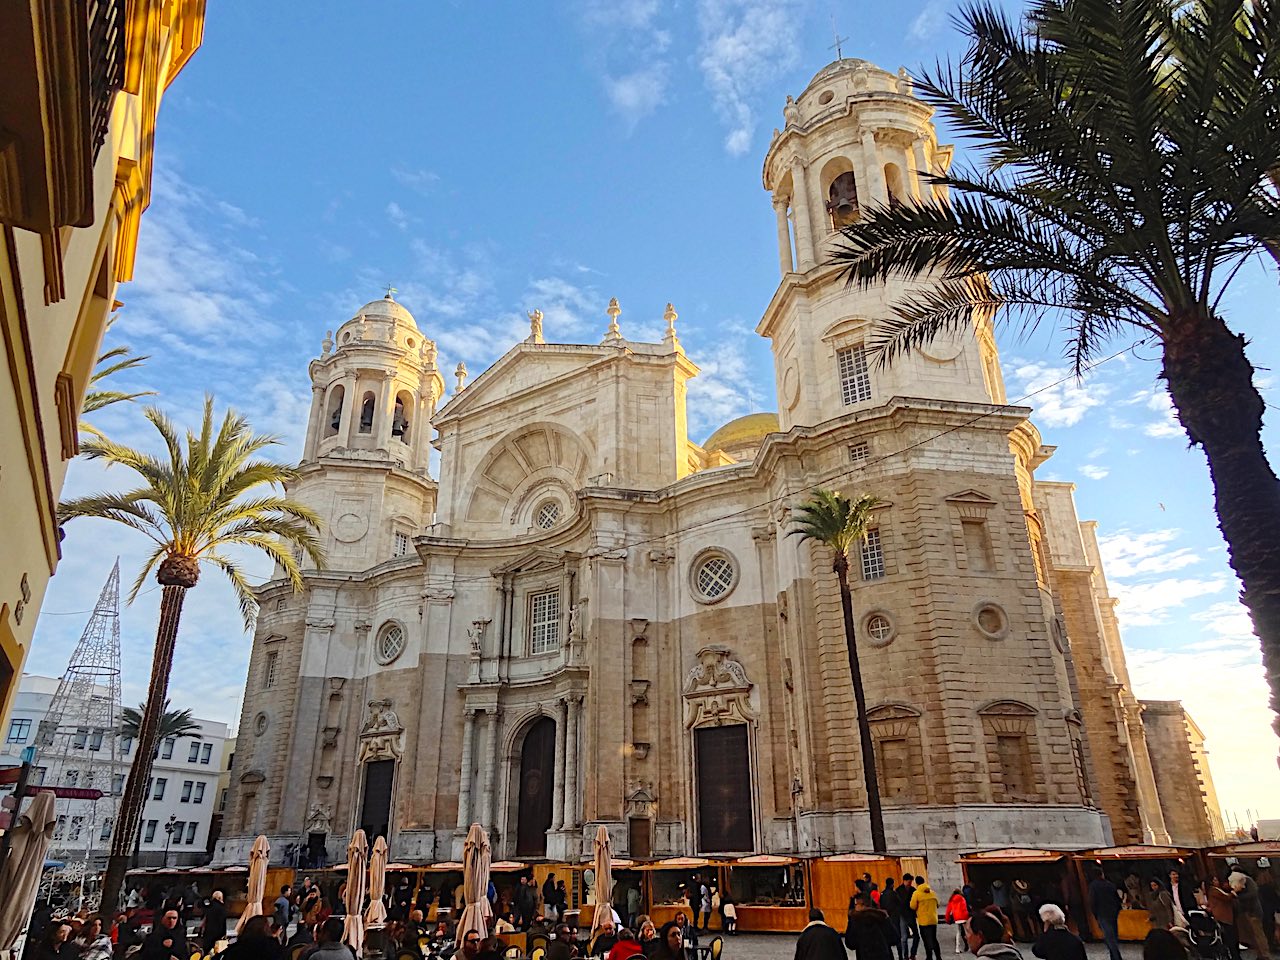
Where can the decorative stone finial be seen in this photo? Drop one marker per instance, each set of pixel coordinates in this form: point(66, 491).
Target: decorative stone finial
point(904, 81)
point(614, 311)
point(535, 327)
point(327, 344)
point(791, 112)
point(670, 339)
point(461, 374)
point(429, 352)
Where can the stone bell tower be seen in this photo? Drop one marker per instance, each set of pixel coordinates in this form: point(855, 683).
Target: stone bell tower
point(855, 138)
point(364, 465)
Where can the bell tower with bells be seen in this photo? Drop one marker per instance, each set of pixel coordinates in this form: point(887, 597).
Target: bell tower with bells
point(856, 137)
point(365, 458)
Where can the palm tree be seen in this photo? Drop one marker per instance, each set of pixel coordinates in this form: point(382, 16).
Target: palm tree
point(1129, 147)
point(194, 503)
point(841, 525)
point(173, 723)
point(107, 365)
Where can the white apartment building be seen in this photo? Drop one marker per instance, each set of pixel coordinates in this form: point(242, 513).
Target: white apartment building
point(183, 789)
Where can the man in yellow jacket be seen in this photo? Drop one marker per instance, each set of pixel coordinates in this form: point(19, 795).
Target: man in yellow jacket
point(925, 903)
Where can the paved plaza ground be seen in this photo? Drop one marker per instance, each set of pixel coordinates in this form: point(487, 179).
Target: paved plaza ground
point(782, 946)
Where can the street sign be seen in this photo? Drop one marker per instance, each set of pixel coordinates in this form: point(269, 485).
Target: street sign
point(68, 793)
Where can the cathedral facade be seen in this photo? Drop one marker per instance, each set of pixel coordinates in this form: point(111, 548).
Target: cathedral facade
point(587, 618)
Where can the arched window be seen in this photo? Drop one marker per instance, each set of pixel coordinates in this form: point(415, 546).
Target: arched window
point(333, 419)
point(842, 201)
point(893, 182)
point(400, 418)
point(366, 413)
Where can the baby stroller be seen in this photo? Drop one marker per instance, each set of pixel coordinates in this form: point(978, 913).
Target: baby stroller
point(1206, 937)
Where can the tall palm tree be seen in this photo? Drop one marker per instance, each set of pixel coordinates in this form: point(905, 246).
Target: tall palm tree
point(173, 723)
point(194, 503)
point(1129, 148)
point(108, 365)
point(841, 525)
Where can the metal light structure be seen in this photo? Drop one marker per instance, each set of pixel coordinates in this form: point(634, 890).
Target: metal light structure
point(77, 745)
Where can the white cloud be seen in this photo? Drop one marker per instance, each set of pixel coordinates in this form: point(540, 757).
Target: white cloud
point(1059, 399)
point(1149, 604)
point(929, 22)
point(1168, 425)
point(722, 390)
point(1128, 553)
point(397, 215)
point(416, 178)
point(1094, 472)
point(745, 45)
point(637, 94)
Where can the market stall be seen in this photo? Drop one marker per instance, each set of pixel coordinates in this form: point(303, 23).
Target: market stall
point(996, 877)
point(1248, 854)
point(626, 874)
point(1130, 868)
point(771, 893)
point(669, 882)
point(445, 880)
point(833, 880)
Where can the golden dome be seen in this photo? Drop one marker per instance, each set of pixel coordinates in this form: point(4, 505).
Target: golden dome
point(748, 431)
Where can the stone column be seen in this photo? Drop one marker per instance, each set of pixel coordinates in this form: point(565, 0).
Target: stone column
point(785, 262)
point(315, 424)
point(875, 171)
point(571, 765)
point(800, 207)
point(464, 786)
point(557, 790)
point(383, 406)
point(350, 428)
point(924, 189)
point(486, 772)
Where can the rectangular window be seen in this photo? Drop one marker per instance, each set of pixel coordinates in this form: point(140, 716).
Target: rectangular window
point(186, 791)
point(191, 832)
point(70, 777)
point(280, 604)
point(161, 783)
point(544, 621)
point(222, 801)
point(246, 810)
point(1015, 765)
point(178, 827)
point(117, 784)
point(894, 757)
point(199, 794)
point(60, 827)
point(105, 833)
point(872, 556)
point(81, 738)
point(37, 775)
point(95, 740)
point(150, 834)
point(194, 755)
point(77, 828)
point(855, 379)
point(858, 452)
point(269, 670)
point(977, 546)
point(402, 544)
point(166, 752)
point(206, 752)
point(19, 730)
point(126, 746)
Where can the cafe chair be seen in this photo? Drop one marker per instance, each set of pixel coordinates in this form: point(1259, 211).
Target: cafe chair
point(717, 948)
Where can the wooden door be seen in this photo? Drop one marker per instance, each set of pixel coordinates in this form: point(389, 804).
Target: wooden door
point(726, 810)
point(537, 784)
point(375, 811)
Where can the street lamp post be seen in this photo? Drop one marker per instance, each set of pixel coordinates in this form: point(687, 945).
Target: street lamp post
point(168, 836)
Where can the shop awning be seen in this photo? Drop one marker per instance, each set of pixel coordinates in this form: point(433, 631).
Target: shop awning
point(616, 862)
point(856, 858)
point(507, 866)
point(1013, 855)
point(1257, 848)
point(446, 865)
point(1135, 851)
point(400, 866)
point(677, 863)
point(763, 860)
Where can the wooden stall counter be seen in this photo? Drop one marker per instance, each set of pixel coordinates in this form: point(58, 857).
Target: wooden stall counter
point(772, 919)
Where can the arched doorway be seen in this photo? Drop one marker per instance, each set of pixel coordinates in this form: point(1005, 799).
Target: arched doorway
point(537, 782)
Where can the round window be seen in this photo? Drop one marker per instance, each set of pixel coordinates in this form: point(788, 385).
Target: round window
point(879, 629)
point(346, 336)
point(714, 575)
point(547, 514)
point(260, 724)
point(991, 621)
point(1059, 634)
point(409, 343)
point(826, 97)
point(390, 643)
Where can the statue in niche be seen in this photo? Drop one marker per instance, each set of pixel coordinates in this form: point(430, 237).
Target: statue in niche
point(575, 620)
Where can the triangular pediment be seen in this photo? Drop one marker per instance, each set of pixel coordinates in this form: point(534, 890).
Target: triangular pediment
point(971, 497)
point(534, 561)
point(525, 367)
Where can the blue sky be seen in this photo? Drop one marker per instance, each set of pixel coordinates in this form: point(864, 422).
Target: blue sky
point(488, 158)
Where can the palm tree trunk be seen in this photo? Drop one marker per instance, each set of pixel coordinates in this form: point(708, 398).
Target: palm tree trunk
point(860, 699)
point(129, 818)
point(1211, 384)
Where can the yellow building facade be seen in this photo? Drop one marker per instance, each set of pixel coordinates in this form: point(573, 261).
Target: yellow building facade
point(82, 82)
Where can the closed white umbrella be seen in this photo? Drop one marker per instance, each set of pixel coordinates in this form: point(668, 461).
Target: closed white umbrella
point(604, 880)
point(377, 912)
point(353, 925)
point(258, 857)
point(20, 879)
point(475, 884)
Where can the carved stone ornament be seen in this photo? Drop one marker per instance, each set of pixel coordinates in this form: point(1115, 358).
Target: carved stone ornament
point(320, 818)
point(716, 690)
point(575, 620)
point(641, 802)
point(382, 736)
point(475, 636)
